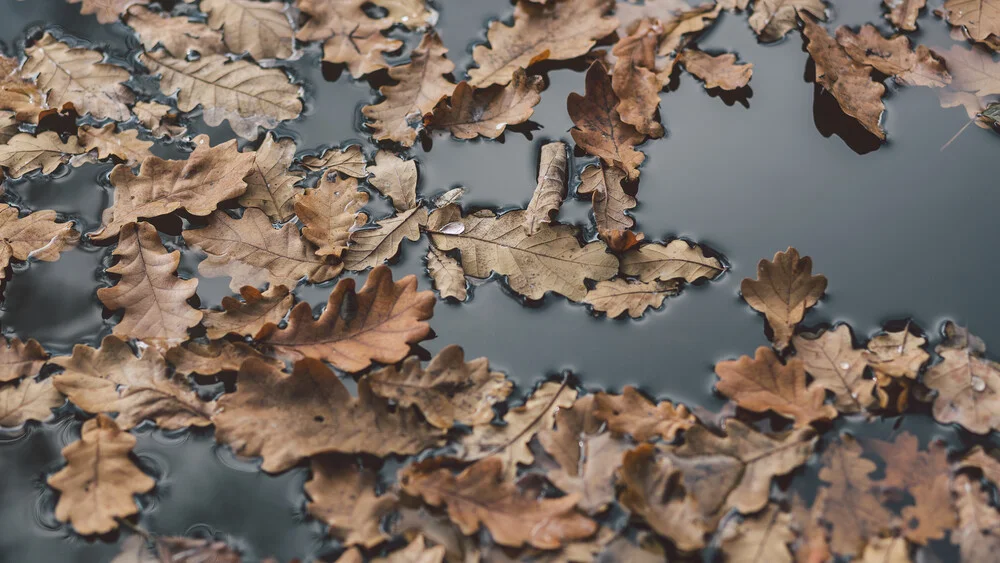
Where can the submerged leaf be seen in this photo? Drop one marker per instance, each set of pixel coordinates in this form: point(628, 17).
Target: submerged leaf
point(342, 495)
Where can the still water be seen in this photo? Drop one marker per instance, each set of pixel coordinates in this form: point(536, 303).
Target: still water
point(904, 231)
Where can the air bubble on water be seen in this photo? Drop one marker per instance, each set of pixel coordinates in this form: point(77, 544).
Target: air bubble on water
point(845, 365)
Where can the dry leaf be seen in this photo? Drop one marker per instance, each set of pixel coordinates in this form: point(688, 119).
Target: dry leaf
point(175, 550)
point(247, 317)
point(161, 120)
point(28, 400)
point(197, 185)
point(330, 213)
point(285, 418)
point(675, 260)
point(349, 162)
point(967, 383)
point(903, 13)
point(551, 260)
point(76, 76)
point(985, 462)
point(599, 129)
point(263, 29)
point(973, 70)
point(448, 391)
point(587, 457)
point(112, 379)
point(978, 531)
point(508, 444)
point(608, 198)
point(785, 287)
point(251, 251)
point(371, 247)
point(629, 12)
point(414, 14)
point(270, 184)
point(761, 537)
point(215, 357)
point(36, 235)
point(342, 495)
point(897, 353)
point(447, 274)
point(396, 179)
point(436, 527)
point(378, 323)
point(981, 18)
point(153, 297)
point(634, 78)
point(108, 142)
point(886, 550)
point(99, 481)
point(178, 35)
point(763, 383)
point(556, 31)
point(107, 11)
point(550, 190)
point(239, 91)
point(616, 296)
point(893, 57)
point(351, 37)
point(772, 19)
point(632, 413)
point(719, 71)
point(812, 546)
point(415, 552)
point(25, 153)
point(20, 95)
point(850, 83)
point(835, 365)
point(678, 32)
point(481, 495)
point(421, 84)
point(20, 359)
point(471, 112)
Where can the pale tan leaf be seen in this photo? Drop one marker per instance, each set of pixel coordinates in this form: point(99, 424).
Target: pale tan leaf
point(396, 179)
point(107, 11)
point(415, 552)
point(342, 495)
point(674, 260)
point(978, 531)
point(28, 400)
point(349, 162)
point(719, 71)
point(247, 317)
point(598, 127)
point(108, 141)
point(772, 19)
point(8, 124)
point(263, 29)
point(835, 365)
point(351, 37)
point(897, 353)
point(472, 112)
point(330, 213)
point(35, 236)
point(550, 189)
point(447, 274)
point(973, 70)
point(270, 184)
point(980, 17)
point(762, 537)
point(20, 359)
point(966, 381)
point(414, 14)
point(784, 289)
point(20, 95)
point(903, 13)
point(25, 153)
point(617, 296)
point(893, 57)
point(371, 247)
point(176, 34)
point(215, 357)
point(161, 120)
point(608, 198)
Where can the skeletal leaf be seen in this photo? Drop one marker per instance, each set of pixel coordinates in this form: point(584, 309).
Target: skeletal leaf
point(903, 13)
point(396, 179)
point(28, 400)
point(551, 260)
point(153, 297)
point(76, 76)
point(35, 236)
point(270, 183)
point(177, 34)
point(550, 190)
point(108, 141)
point(251, 251)
point(674, 260)
point(481, 495)
point(772, 19)
point(717, 71)
point(783, 290)
point(472, 112)
point(342, 495)
point(835, 365)
point(263, 29)
point(247, 317)
point(239, 91)
point(617, 296)
point(107, 11)
point(509, 443)
point(599, 129)
point(20, 359)
point(113, 379)
point(634, 78)
point(284, 418)
point(761, 537)
point(447, 391)
point(894, 57)
point(447, 274)
point(554, 31)
point(978, 531)
point(609, 200)
point(330, 213)
point(161, 120)
point(377, 323)
point(351, 37)
point(371, 247)
point(967, 383)
point(632, 413)
point(25, 153)
point(897, 353)
point(763, 383)
point(980, 17)
point(215, 357)
point(349, 162)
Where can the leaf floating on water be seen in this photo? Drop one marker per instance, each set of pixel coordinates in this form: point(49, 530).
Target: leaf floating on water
point(372, 247)
point(772, 19)
point(784, 289)
point(349, 162)
point(331, 213)
point(980, 17)
point(719, 71)
point(350, 36)
point(978, 531)
point(24, 153)
point(634, 78)
point(28, 400)
point(414, 14)
point(177, 34)
point(903, 13)
point(764, 536)
point(897, 353)
point(396, 179)
point(966, 381)
point(107, 11)
point(472, 112)
point(633, 414)
point(161, 120)
point(270, 183)
point(342, 495)
point(176, 549)
point(893, 57)
point(675, 260)
point(835, 365)
point(263, 29)
point(617, 296)
point(608, 198)
point(551, 188)
point(20, 359)
point(215, 357)
point(19, 94)
point(415, 552)
point(108, 141)
point(247, 317)
point(599, 129)
point(447, 274)
point(36, 235)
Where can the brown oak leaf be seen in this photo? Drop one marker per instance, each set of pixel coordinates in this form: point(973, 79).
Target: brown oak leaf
point(978, 532)
point(330, 213)
point(20, 359)
point(371, 247)
point(772, 19)
point(903, 13)
point(981, 18)
point(471, 112)
point(106, 11)
point(161, 120)
point(25, 153)
point(214, 357)
point(967, 383)
point(395, 178)
point(550, 189)
point(762, 537)
point(350, 36)
point(894, 57)
point(135, 549)
point(632, 413)
point(675, 260)
point(617, 296)
point(837, 366)
point(634, 78)
point(609, 199)
point(785, 287)
point(108, 141)
point(349, 162)
point(263, 29)
point(247, 317)
point(447, 274)
point(178, 35)
point(342, 495)
point(35, 236)
point(812, 545)
point(19, 94)
point(896, 357)
point(270, 183)
point(415, 552)
point(720, 71)
point(28, 400)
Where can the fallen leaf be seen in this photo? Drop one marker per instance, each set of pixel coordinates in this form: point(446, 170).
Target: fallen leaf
point(436, 527)
point(629, 12)
point(215, 357)
point(415, 552)
point(763, 383)
point(785, 287)
point(893, 57)
point(481, 496)
point(634, 78)
point(247, 317)
point(113, 379)
point(598, 128)
point(153, 297)
point(447, 274)
point(620, 241)
point(812, 533)
point(351, 556)
point(285, 418)
point(448, 391)
point(551, 260)
point(835, 365)
point(675, 260)
point(678, 32)
point(967, 383)
point(973, 70)
point(850, 83)
point(555, 31)
point(645, 550)
point(508, 444)
point(772, 19)
point(421, 84)
point(587, 456)
point(762, 537)
point(550, 189)
point(270, 183)
point(263, 29)
point(237, 91)
point(350, 36)
point(35, 236)
point(25, 153)
point(985, 462)
point(330, 213)
point(396, 179)
point(342, 495)
point(903, 13)
point(349, 162)
point(981, 18)
point(20, 95)
point(719, 71)
point(414, 14)
point(99, 481)
point(371, 247)
point(28, 400)
point(886, 550)
point(251, 251)
point(897, 353)
point(616, 296)
point(378, 323)
point(608, 198)
point(632, 413)
point(471, 112)
point(197, 185)
point(78, 77)
point(108, 141)
point(20, 359)
point(161, 120)
point(177, 34)
point(176, 550)
point(978, 531)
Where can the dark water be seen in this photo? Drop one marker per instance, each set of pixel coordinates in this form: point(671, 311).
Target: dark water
point(906, 230)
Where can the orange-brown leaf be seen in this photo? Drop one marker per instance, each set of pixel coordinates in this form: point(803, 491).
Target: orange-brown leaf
point(903, 13)
point(608, 198)
point(634, 78)
point(330, 213)
point(214, 357)
point(632, 413)
point(719, 71)
point(966, 381)
point(894, 57)
point(28, 400)
point(342, 495)
point(350, 36)
point(599, 129)
point(20, 359)
point(835, 365)
point(247, 317)
point(783, 290)
point(472, 112)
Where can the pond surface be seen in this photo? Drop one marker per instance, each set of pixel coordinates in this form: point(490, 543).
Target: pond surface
point(904, 231)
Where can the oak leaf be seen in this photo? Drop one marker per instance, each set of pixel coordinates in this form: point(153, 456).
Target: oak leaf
point(396, 179)
point(238, 91)
point(480, 495)
point(28, 400)
point(967, 383)
point(76, 76)
point(106, 11)
point(285, 418)
point(330, 213)
point(153, 297)
point(675, 260)
point(893, 57)
point(20, 359)
point(178, 35)
point(471, 112)
point(36, 235)
point(761, 537)
point(890, 549)
point(983, 461)
point(247, 317)
point(897, 353)
point(108, 141)
point(978, 532)
point(550, 189)
point(415, 552)
point(350, 36)
point(447, 274)
point(371, 247)
point(598, 128)
point(617, 296)
point(342, 495)
point(763, 383)
point(214, 357)
point(719, 71)
point(835, 365)
point(785, 287)
point(973, 70)
point(414, 14)
point(448, 391)
point(19, 94)
point(161, 120)
point(608, 198)
point(113, 379)
point(270, 183)
point(176, 550)
point(25, 153)
point(629, 12)
point(251, 251)
point(551, 260)
point(263, 29)
point(772, 19)
point(678, 32)
point(634, 78)
point(632, 413)
point(99, 481)
point(559, 30)
point(349, 162)
point(903, 13)
point(378, 323)
point(812, 545)
point(981, 18)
